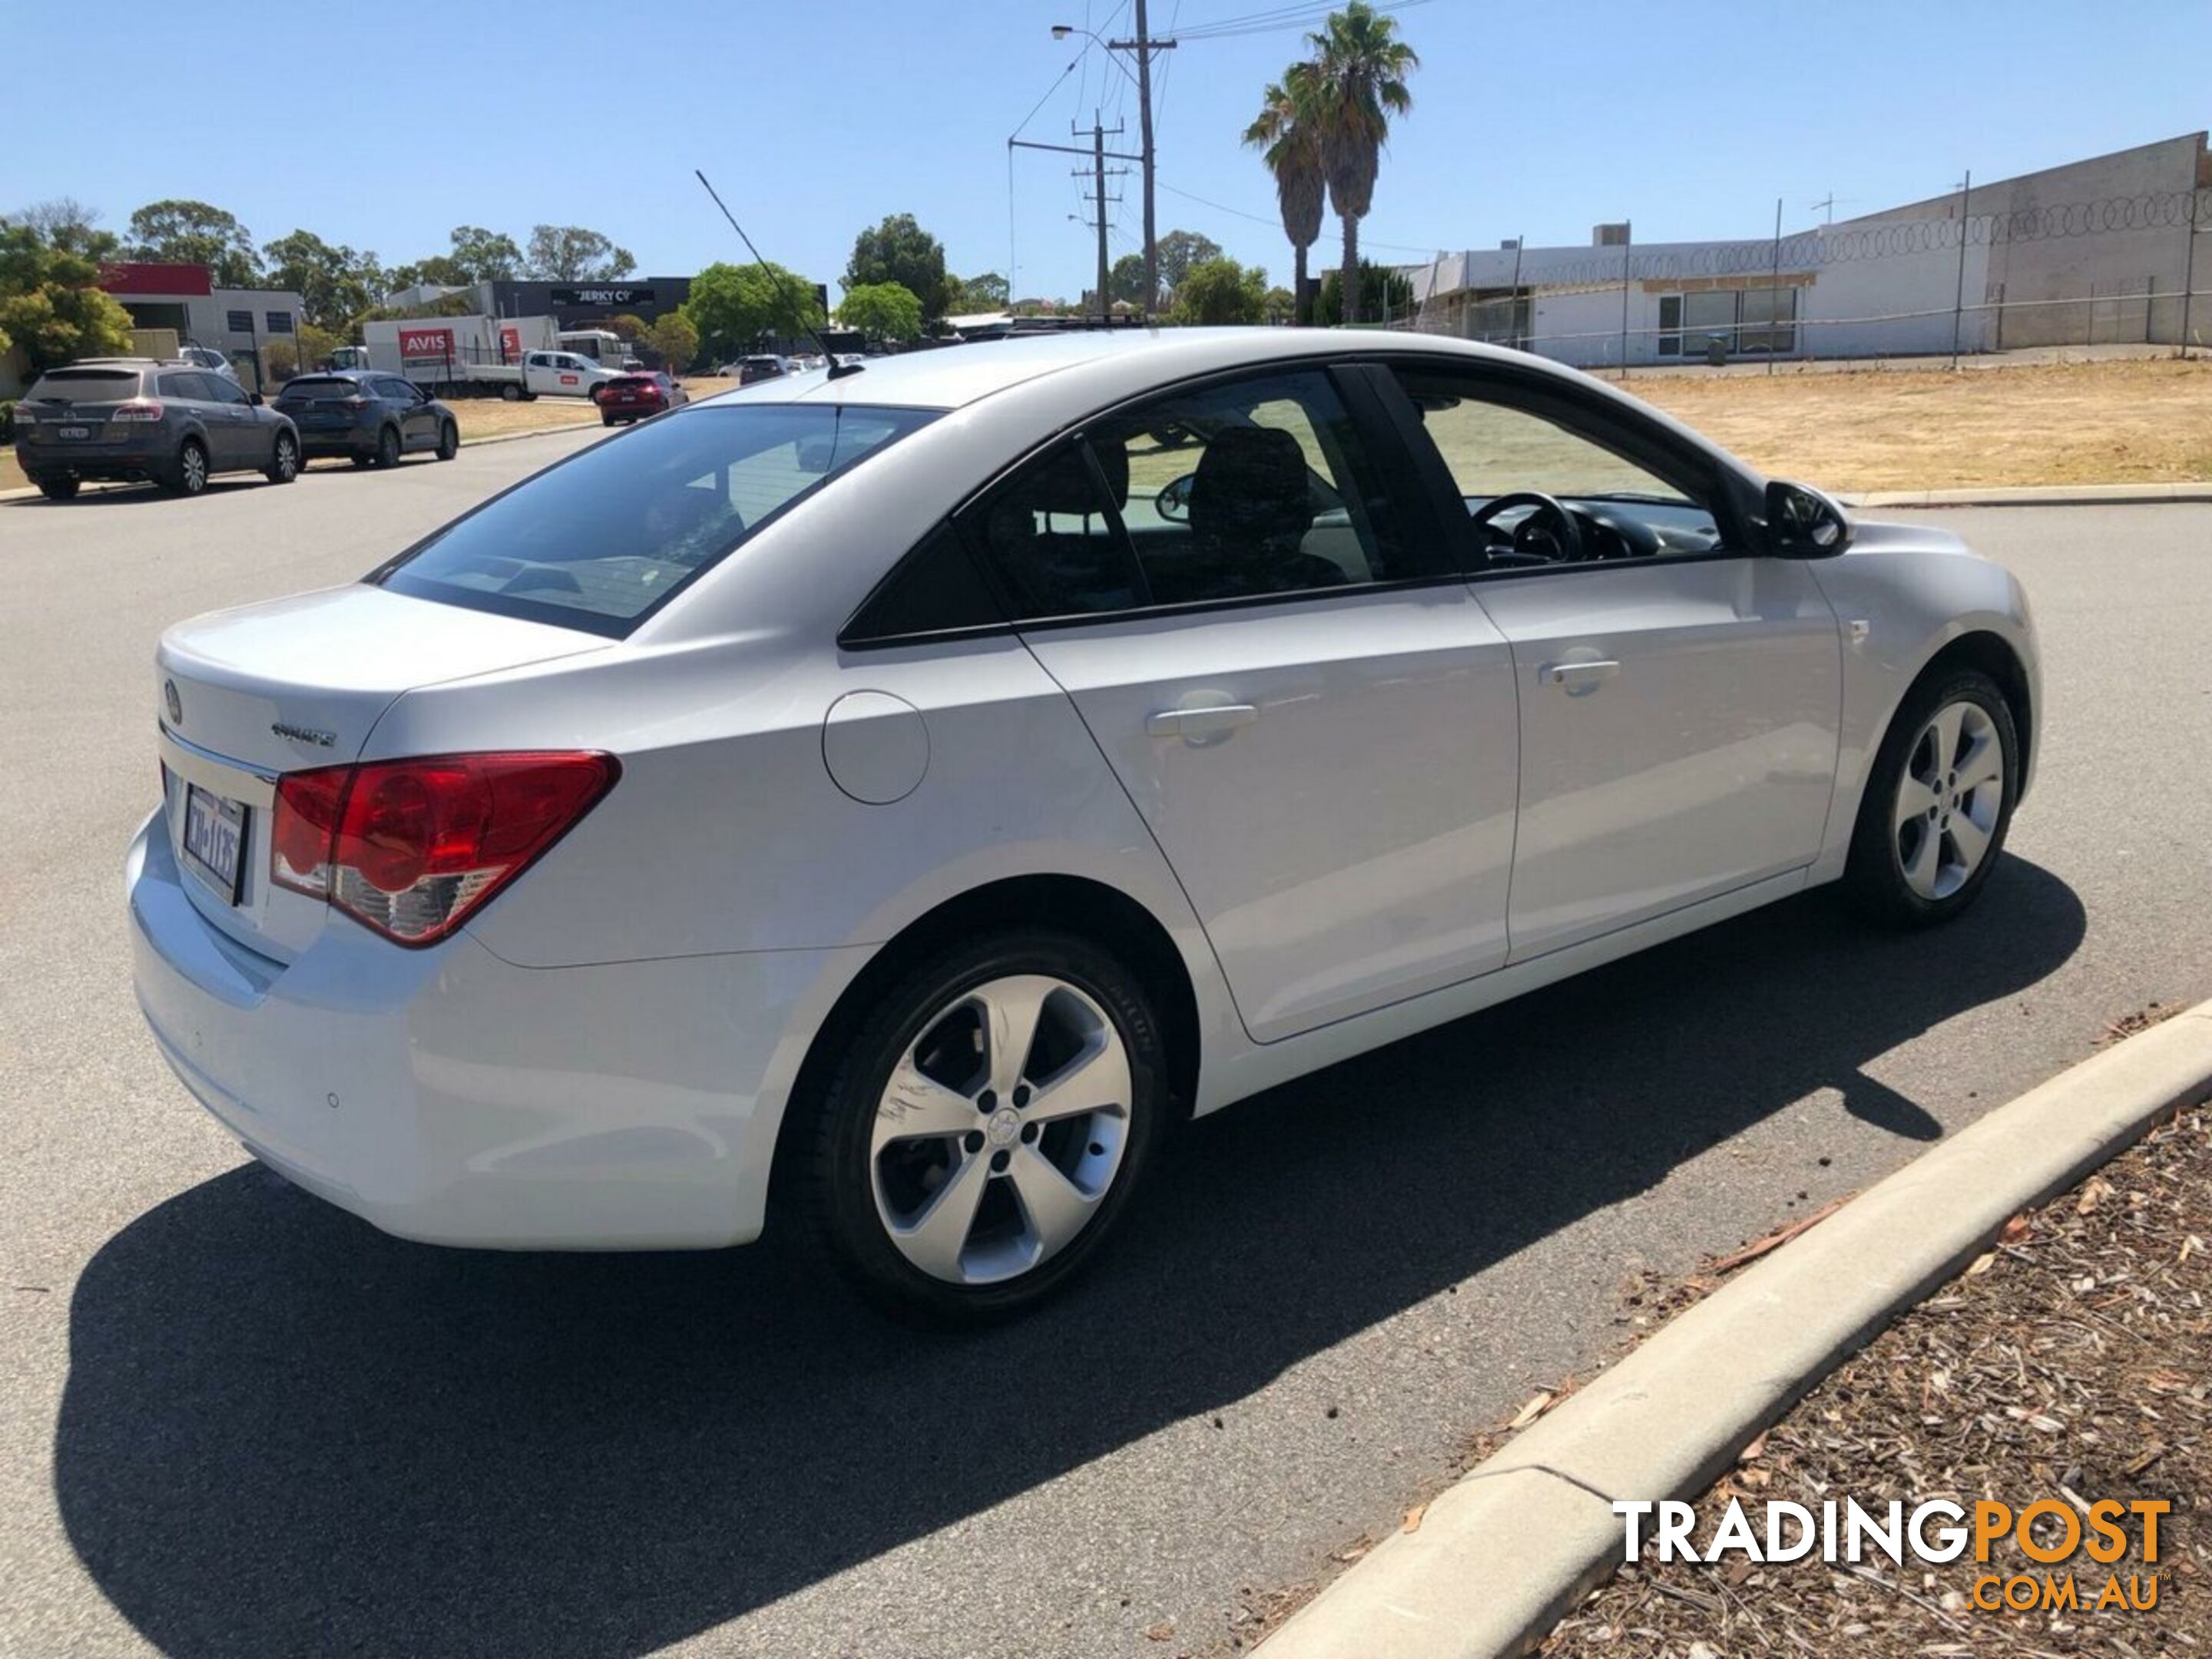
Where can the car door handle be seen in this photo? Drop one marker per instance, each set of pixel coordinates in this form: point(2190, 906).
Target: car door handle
point(1199, 725)
point(1577, 676)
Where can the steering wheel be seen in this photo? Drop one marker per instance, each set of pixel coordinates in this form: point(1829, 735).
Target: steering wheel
point(1547, 521)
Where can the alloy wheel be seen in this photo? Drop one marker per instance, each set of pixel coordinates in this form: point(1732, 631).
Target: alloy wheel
point(1948, 799)
point(1001, 1130)
point(192, 463)
point(288, 459)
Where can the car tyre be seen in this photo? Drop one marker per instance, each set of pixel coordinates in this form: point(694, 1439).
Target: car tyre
point(606, 419)
point(361, 460)
point(188, 475)
point(449, 441)
point(510, 393)
point(1039, 1185)
point(58, 490)
point(1938, 802)
point(387, 447)
point(284, 459)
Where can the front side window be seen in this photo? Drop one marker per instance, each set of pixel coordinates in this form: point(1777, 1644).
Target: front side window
point(601, 540)
point(1226, 492)
point(1511, 465)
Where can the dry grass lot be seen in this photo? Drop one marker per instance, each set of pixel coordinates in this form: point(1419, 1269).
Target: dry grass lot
point(489, 417)
point(2111, 422)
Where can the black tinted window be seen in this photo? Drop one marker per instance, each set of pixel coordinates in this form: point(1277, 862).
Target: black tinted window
point(935, 590)
point(602, 539)
point(223, 391)
point(1056, 540)
point(192, 388)
point(87, 385)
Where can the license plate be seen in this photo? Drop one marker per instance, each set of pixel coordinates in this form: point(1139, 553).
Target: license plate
point(214, 839)
point(72, 432)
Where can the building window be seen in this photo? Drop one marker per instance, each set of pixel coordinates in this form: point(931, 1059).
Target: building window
point(280, 322)
point(1769, 321)
point(1707, 317)
point(1670, 325)
point(239, 322)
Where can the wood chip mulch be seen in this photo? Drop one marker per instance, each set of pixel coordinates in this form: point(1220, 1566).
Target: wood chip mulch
point(2074, 1360)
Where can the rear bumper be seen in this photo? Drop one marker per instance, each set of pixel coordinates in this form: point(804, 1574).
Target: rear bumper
point(448, 1095)
point(129, 458)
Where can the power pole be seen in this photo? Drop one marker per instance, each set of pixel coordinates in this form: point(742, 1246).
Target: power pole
point(1097, 154)
point(1143, 46)
point(1099, 204)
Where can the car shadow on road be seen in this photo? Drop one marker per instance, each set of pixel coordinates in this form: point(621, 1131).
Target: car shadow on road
point(284, 1432)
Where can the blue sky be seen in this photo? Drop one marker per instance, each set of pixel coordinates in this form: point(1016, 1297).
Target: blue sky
point(816, 119)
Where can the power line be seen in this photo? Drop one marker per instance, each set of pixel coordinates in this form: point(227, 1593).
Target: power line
point(1280, 19)
point(1275, 220)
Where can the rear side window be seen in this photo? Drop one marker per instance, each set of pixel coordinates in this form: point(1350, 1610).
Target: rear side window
point(601, 540)
point(87, 384)
point(936, 590)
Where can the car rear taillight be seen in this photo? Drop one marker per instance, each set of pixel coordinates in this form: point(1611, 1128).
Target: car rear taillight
point(412, 848)
point(138, 408)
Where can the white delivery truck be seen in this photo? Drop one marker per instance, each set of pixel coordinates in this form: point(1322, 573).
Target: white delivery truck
point(459, 356)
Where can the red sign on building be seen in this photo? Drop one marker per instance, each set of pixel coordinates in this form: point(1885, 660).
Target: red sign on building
point(133, 277)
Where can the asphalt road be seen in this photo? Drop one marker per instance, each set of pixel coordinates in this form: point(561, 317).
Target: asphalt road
point(234, 1421)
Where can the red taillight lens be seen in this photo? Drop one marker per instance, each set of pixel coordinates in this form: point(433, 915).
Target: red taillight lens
point(138, 408)
point(412, 847)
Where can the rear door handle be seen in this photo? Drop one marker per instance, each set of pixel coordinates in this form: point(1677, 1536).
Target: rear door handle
point(1577, 676)
point(1201, 725)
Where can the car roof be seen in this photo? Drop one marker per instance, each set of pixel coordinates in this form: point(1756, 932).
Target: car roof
point(953, 377)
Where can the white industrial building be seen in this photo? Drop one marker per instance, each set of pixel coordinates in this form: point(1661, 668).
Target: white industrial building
point(2093, 251)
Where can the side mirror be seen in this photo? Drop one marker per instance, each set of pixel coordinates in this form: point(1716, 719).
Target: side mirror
point(1804, 523)
point(1173, 502)
point(253, 398)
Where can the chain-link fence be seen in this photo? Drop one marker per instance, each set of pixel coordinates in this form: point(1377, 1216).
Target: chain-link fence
point(2119, 271)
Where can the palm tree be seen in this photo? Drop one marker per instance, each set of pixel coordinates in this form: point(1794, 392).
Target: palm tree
point(1359, 72)
point(1287, 133)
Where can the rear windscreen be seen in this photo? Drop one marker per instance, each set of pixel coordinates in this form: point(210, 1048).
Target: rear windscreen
point(326, 387)
point(87, 384)
point(600, 540)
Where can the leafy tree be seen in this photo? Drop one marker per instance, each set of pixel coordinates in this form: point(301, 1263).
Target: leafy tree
point(483, 256)
point(182, 232)
point(631, 328)
point(316, 344)
point(676, 337)
point(1385, 295)
point(900, 251)
point(570, 253)
point(735, 306)
point(881, 311)
point(52, 309)
point(1359, 75)
point(334, 283)
point(1282, 307)
point(1177, 251)
point(988, 292)
point(1125, 280)
point(1288, 134)
point(438, 270)
point(1218, 291)
point(69, 225)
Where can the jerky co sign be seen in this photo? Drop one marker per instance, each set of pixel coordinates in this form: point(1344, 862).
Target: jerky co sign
point(602, 296)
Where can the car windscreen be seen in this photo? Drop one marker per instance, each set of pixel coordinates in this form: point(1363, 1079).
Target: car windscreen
point(601, 540)
point(314, 385)
point(85, 385)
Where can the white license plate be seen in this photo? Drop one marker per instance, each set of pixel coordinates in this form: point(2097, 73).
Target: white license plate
point(214, 839)
point(72, 432)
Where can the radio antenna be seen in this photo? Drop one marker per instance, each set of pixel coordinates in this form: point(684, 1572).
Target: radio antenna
point(837, 370)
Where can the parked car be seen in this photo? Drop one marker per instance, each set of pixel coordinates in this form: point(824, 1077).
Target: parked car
point(633, 397)
point(208, 357)
point(747, 371)
point(908, 797)
point(164, 423)
point(368, 417)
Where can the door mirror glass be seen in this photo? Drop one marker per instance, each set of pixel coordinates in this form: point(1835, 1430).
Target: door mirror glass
point(253, 398)
point(1804, 523)
point(1173, 501)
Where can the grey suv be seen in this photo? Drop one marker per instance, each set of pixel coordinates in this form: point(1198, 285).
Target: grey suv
point(367, 415)
point(168, 424)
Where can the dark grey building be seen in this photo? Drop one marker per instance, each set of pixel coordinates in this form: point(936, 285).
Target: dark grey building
point(585, 305)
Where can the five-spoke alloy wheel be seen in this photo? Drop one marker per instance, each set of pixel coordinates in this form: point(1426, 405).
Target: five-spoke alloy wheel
point(1938, 802)
point(985, 1123)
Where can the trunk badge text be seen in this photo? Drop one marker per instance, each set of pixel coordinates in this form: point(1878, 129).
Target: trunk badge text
point(297, 733)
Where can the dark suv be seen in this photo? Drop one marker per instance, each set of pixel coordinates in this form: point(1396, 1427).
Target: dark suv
point(367, 416)
point(168, 424)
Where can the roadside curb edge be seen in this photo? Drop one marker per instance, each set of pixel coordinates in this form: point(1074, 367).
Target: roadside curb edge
point(1510, 1548)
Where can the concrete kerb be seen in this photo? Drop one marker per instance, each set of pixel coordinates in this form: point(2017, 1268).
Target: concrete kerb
point(1510, 1548)
point(2116, 495)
